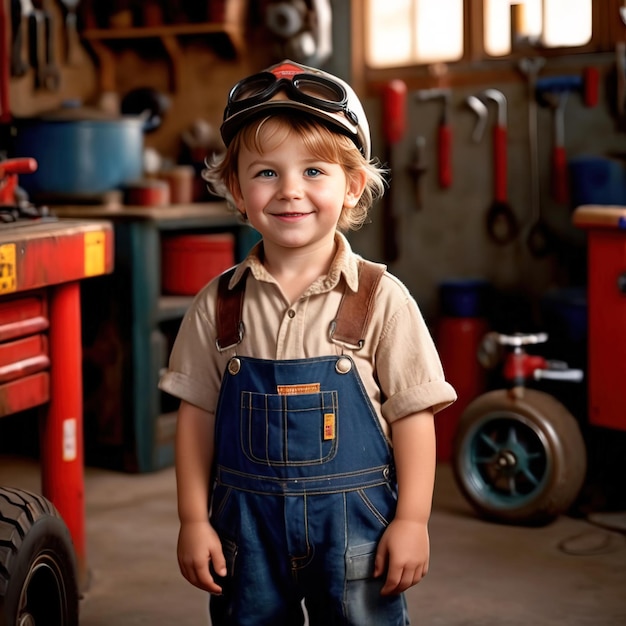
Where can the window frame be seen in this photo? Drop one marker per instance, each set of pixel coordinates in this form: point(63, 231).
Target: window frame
point(475, 66)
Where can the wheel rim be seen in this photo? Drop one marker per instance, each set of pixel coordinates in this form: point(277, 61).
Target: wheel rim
point(42, 600)
point(506, 461)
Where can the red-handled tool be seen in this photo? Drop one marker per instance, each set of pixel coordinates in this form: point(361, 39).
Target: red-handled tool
point(502, 224)
point(394, 111)
point(554, 91)
point(560, 190)
point(591, 86)
point(9, 169)
point(444, 135)
point(500, 166)
point(444, 159)
point(394, 127)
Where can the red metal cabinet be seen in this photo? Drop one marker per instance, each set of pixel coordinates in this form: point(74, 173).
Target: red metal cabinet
point(41, 265)
point(606, 236)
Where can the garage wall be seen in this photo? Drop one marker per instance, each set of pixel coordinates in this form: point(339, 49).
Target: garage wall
point(446, 237)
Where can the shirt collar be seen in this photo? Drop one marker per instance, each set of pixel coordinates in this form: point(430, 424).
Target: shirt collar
point(344, 264)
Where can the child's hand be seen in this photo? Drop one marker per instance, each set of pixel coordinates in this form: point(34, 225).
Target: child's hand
point(404, 552)
point(198, 544)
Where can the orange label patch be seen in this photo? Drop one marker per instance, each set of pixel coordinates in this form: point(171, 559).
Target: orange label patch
point(298, 390)
point(329, 426)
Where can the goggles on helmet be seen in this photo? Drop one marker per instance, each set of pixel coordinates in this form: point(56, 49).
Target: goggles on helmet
point(315, 91)
point(290, 86)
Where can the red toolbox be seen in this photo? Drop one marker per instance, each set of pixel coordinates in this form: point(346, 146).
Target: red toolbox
point(606, 294)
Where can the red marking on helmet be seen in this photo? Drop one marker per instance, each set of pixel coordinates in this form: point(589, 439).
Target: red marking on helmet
point(287, 70)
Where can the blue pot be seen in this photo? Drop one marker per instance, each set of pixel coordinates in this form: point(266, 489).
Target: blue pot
point(79, 156)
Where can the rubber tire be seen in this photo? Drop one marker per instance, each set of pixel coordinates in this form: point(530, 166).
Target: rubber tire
point(38, 576)
point(530, 476)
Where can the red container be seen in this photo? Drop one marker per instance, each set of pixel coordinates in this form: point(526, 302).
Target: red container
point(457, 341)
point(190, 261)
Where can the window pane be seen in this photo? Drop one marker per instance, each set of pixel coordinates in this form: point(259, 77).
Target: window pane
point(551, 23)
point(498, 23)
point(566, 23)
point(439, 27)
point(389, 37)
point(497, 27)
point(405, 32)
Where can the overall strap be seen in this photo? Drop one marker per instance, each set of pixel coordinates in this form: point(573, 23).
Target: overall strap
point(355, 309)
point(348, 327)
point(229, 311)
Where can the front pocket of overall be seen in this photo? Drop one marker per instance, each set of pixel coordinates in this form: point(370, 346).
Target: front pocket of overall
point(223, 512)
point(289, 429)
point(372, 508)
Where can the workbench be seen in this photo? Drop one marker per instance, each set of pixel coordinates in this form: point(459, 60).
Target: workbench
point(42, 264)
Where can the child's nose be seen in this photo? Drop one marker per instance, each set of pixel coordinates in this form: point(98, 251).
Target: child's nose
point(290, 186)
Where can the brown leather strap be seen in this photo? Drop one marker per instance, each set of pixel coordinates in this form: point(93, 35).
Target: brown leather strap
point(355, 309)
point(348, 327)
point(229, 311)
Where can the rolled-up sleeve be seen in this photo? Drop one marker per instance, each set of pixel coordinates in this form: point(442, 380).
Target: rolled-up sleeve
point(409, 369)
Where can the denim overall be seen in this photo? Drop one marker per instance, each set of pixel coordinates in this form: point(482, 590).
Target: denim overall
point(304, 488)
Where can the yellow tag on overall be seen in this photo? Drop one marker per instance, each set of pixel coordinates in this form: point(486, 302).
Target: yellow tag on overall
point(329, 426)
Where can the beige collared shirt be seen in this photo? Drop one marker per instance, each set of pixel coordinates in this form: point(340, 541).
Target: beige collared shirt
point(398, 364)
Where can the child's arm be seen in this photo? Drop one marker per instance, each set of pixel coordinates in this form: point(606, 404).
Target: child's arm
point(404, 549)
point(198, 542)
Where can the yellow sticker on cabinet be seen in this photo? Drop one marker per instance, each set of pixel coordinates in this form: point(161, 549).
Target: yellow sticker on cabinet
point(95, 253)
point(8, 268)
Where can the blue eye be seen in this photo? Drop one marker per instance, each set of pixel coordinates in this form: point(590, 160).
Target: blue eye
point(313, 172)
point(266, 174)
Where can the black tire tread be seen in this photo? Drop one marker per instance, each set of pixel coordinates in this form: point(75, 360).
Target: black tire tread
point(29, 526)
point(19, 510)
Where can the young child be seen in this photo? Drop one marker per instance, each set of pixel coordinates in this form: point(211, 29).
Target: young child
point(305, 452)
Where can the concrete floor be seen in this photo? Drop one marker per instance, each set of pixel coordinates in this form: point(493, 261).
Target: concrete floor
point(571, 572)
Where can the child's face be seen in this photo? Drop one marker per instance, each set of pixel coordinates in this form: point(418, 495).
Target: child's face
point(293, 198)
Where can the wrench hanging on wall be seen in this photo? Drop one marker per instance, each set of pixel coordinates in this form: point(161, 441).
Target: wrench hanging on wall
point(394, 127)
point(502, 224)
point(444, 133)
point(417, 168)
point(19, 66)
point(539, 238)
point(41, 45)
point(554, 91)
point(480, 108)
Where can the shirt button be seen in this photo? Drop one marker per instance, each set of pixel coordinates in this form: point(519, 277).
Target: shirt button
point(291, 313)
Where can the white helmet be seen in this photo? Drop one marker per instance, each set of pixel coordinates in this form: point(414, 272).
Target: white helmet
point(288, 86)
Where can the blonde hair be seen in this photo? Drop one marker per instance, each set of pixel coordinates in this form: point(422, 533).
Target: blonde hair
point(269, 132)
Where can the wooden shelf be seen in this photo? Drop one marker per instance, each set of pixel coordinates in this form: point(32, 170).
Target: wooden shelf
point(142, 32)
point(101, 39)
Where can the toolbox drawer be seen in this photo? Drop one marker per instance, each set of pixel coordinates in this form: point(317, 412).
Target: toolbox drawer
point(24, 355)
